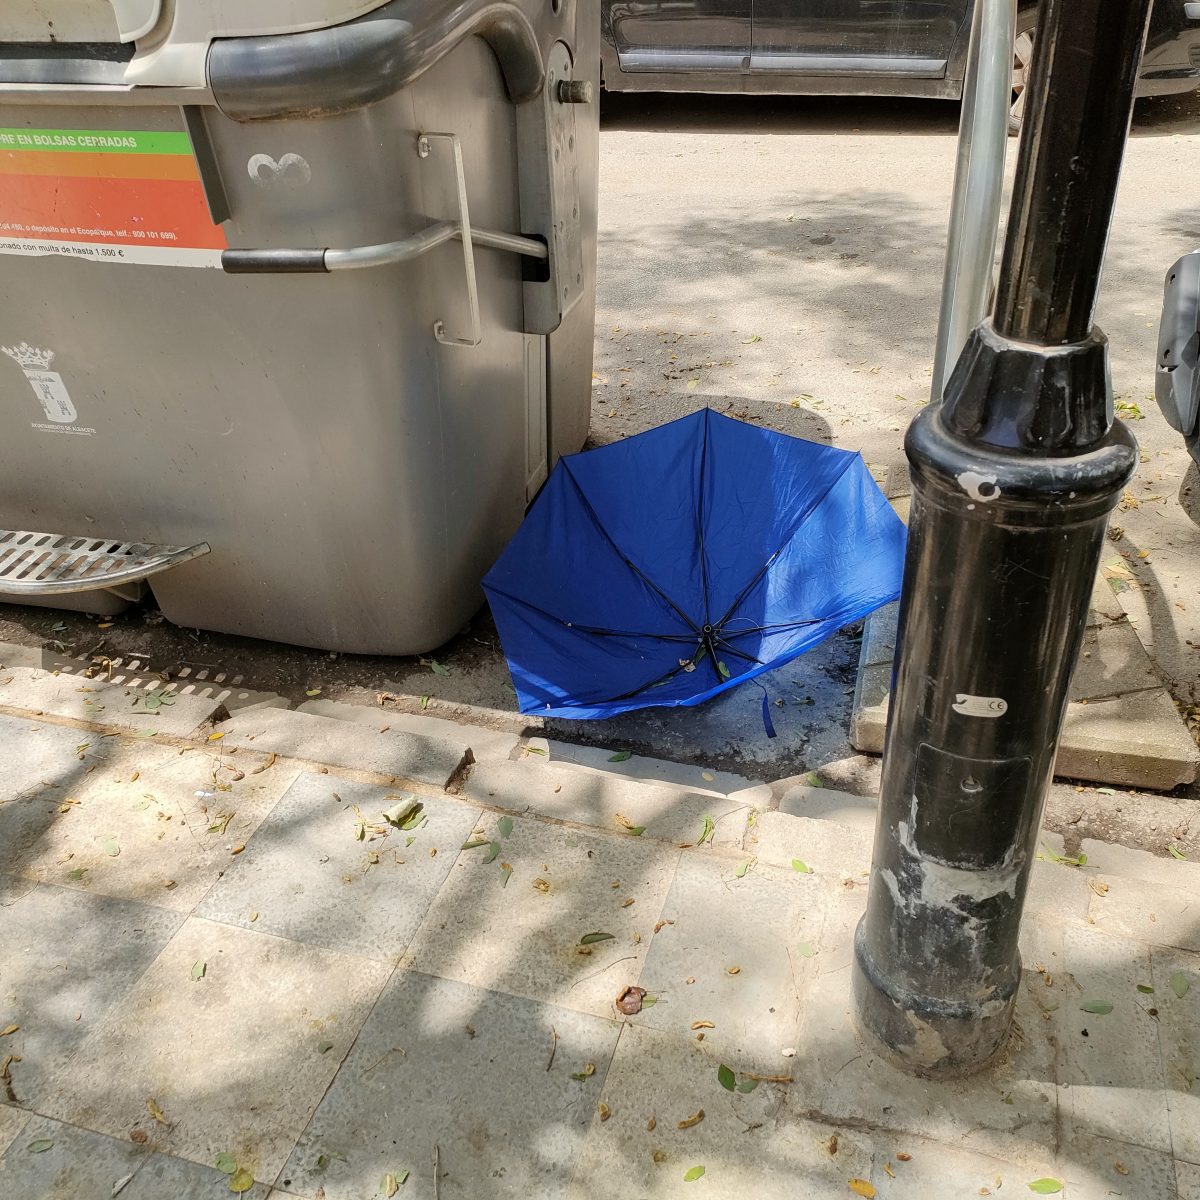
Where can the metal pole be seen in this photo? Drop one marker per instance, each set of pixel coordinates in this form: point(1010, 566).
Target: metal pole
point(1014, 475)
point(978, 183)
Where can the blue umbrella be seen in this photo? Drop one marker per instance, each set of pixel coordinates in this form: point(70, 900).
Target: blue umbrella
point(669, 567)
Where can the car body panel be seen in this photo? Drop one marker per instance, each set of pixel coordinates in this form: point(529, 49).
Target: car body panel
point(843, 47)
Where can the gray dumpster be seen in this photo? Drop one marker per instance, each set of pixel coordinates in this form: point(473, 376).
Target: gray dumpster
point(297, 303)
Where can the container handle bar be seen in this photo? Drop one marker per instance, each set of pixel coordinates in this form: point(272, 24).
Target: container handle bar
point(259, 262)
point(241, 262)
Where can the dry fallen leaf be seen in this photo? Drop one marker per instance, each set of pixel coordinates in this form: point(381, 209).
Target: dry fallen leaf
point(604, 1111)
point(733, 970)
point(694, 1119)
point(627, 902)
point(157, 1113)
point(1098, 886)
point(139, 1135)
point(629, 1000)
point(238, 848)
point(901, 1156)
point(659, 1156)
point(651, 1124)
point(541, 885)
point(659, 925)
point(860, 1187)
point(703, 1025)
point(9, 1029)
point(1120, 1168)
point(832, 1144)
point(887, 1168)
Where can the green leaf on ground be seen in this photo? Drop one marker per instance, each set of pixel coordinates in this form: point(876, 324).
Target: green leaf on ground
point(492, 854)
point(754, 337)
point(425, 701)
point(504, 826)
point(436, 667)
point(1175, 852)
point(324, 1047)
point(693, 384)
point(590, 939)
point(408, 841)
point(813, 779)
point(806, 949)
point(1145, 989)
point(40, 1146)
point(241, 1180)
point(1100, 1007)
point(726, 1078)
point(706, 833)
point(747, 1086)
point(648, 1000)
point(198, 969)
point(1106, 791)
point(225, 1163)
point(543, 751)
point(798, 864)
point(742, 868)
point(694, 1173)
point(621, 756)
point(417, 819)
point(1179, 984)
point(725, 672)
point(474, 844)
point(1046, 1187)
point(77, 873)
point(505, 874)
point(110, 847)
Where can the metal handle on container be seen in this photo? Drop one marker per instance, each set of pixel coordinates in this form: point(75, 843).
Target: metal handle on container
point(290, 261)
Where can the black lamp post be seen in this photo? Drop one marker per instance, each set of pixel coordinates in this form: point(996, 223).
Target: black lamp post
point(1014, 475)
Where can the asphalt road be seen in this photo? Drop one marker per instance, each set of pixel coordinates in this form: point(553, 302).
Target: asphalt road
point(781, 259)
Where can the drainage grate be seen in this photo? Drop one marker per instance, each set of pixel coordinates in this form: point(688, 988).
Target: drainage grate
point(50, 564)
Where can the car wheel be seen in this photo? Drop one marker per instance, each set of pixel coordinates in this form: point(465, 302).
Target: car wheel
point(1022, 61)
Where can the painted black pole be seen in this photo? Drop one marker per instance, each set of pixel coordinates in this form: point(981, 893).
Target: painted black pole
point(1014, 475)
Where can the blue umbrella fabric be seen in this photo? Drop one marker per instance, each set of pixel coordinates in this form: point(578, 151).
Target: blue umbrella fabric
point(669, 567)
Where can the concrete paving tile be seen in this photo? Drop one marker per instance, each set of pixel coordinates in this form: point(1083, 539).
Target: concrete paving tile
point(690, 776)
point(1187, 1180)
point(1107, 860)
point(65, 960)
point(1112, 662)
point(1150, 912)
point(443, 1062)
point(829, 804)
point(404, 756)
point(879, 635)
point(42, 766)
point(595, 798)
point(1111, 1077)
point(1179, 1038)
point(1095, 1168)
point(766, 925)
point(142, 802)
point(1008, 1108)
point(666, 1079)
point(487, 745)
point(1136, 740)
point(82, 1165)
point(308, 877)
point(522, 938)
point(233, 1058)
point(101, 703)
point(12, 1121)
point(778, 839)
point(1058, 891)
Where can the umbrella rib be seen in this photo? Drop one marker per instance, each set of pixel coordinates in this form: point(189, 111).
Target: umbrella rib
point(795, 529)
point(660, 637)
point(728, 633)
point(591, 512)
point(738, 653)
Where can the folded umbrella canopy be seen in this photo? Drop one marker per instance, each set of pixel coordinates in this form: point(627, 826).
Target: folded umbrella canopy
point(663, 569)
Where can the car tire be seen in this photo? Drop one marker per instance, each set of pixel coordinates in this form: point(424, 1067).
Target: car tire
point(1022, 60)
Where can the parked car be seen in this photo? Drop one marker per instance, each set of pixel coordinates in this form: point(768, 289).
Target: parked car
point(844, 47)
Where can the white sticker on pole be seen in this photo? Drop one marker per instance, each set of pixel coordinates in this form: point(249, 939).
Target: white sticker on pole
point(980, 706)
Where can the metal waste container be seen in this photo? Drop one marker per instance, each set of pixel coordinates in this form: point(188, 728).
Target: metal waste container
point(298, 303)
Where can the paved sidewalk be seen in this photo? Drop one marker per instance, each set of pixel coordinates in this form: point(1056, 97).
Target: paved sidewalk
point(222, 967)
